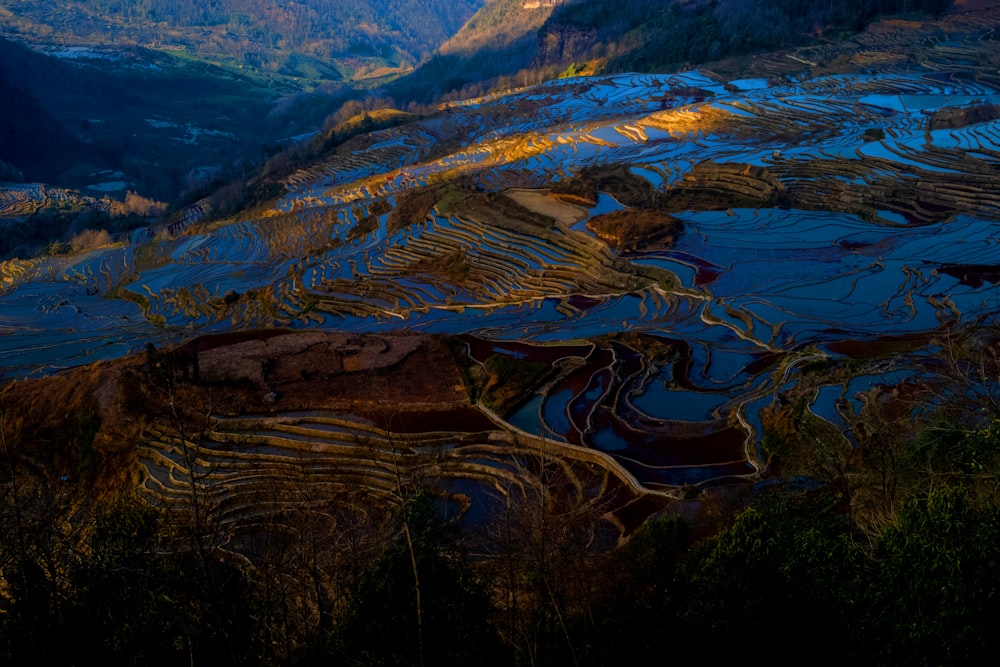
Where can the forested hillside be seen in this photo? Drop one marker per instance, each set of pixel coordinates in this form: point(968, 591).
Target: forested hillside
point(507, 43)
point(263, 34)
point(121, 124)
point(499, 40)
point(640, 35)
point(66, 119)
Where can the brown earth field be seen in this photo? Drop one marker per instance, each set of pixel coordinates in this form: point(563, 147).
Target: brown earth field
point(640, 229)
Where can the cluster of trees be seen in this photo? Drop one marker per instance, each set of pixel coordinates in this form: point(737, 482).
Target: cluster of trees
point(61, 227)
point(52, 230)
point(791, 565)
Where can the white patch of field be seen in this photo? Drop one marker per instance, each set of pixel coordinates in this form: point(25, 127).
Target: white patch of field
point(545, 203)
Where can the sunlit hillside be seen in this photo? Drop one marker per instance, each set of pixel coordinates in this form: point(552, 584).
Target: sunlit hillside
point(315, 39)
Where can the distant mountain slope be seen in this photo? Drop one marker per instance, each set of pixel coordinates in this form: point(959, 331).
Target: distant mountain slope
point(651, 35)
point(497, 25)
point(525, 41)
point(500, 40)
point(150, 117)
point(261, 33)
point(31, 139)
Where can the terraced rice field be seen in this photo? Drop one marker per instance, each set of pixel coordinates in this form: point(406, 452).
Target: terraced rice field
point(823, 214)
point(247, 471)
point(21, 199)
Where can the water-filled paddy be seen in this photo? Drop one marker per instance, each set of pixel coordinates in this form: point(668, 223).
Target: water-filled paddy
point(756, 286)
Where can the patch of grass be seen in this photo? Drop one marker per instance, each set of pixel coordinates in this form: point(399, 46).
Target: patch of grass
point(412, 207)
point(453, 266)
point(141, 300)
point(510, 379)
point(473, 375)
point(360, 126)
point(449, 199)
point(818, 366)
point(709, 186)
point(120, 292)
point(665, 279)
point(953, 119)
point(874, 134)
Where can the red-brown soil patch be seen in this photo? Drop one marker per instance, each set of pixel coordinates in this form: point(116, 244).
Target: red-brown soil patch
point(636, 229)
